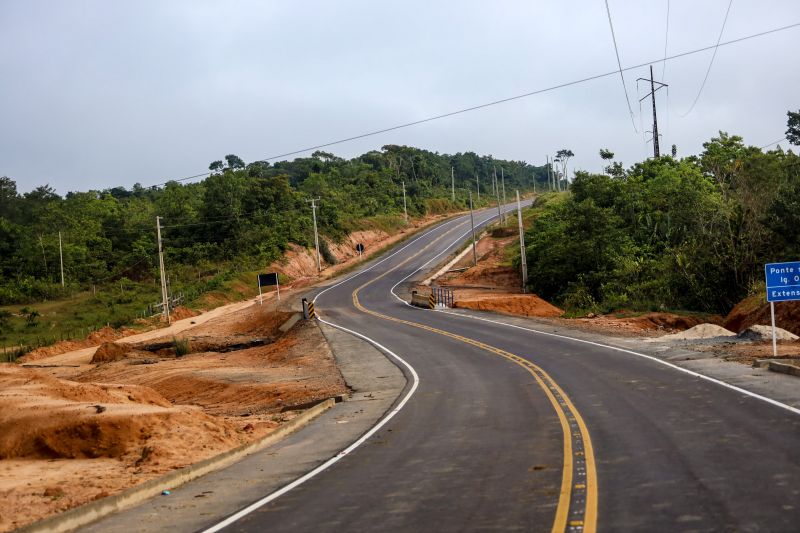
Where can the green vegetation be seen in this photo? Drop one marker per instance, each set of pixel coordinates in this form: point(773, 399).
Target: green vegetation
point(217, 233)
point(181, 346)
point(687, 234)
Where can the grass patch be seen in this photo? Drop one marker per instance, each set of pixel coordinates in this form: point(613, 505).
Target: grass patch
point(181, 346)
point(46, 323)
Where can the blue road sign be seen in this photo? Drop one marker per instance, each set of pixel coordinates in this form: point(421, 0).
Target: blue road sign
point(783, 281)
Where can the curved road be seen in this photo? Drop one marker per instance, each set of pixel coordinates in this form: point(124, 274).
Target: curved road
point(502, 428)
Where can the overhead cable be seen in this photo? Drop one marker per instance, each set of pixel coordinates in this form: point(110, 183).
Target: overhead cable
point(619, 64)
point(710, 63)
point(505, 100)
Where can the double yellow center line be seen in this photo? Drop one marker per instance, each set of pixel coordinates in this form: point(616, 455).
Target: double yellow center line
point(577, 502)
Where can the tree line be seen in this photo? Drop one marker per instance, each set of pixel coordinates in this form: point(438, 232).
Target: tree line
point(245, 213)
point(687, 233)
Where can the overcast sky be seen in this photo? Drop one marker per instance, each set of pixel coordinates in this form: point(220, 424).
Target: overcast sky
point(97, 94)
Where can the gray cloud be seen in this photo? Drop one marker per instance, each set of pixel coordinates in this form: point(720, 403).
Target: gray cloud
point(98, 94)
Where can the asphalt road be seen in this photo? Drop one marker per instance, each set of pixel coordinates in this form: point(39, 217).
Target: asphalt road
point(507, 429)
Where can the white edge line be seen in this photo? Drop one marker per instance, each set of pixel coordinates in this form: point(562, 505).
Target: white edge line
point(716, 381)
point(458, 240)
point(333, 460)
point(425, 234)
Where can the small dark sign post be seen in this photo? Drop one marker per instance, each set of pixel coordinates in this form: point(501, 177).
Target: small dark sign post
point(360, 248)
point(783, 284)
point(265, 280)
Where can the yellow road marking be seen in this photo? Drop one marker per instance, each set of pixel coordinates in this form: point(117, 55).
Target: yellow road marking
point(547, 384)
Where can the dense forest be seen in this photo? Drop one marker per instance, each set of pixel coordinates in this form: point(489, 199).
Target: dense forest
point(669, 233)
point(241, 215)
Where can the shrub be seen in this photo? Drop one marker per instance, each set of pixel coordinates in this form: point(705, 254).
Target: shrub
point(327, 255)
point(181, 346)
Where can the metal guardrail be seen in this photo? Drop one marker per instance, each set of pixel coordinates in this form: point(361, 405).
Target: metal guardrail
point(441, 296)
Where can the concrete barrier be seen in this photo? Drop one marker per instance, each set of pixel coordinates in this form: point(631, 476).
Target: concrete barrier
point(783, 368)
point(289, 324)
point(420, 300)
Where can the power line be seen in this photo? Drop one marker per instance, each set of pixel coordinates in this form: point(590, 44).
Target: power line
point(119, 272)
point(508, 99)
point(713, 56)
point(619, 64)
point(772, 143)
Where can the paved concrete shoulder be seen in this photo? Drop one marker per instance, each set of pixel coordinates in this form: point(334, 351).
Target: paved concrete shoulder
point(375, 383)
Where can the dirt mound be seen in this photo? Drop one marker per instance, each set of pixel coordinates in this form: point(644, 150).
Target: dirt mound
point(45, 417)
point(487, 275)
point(256, 321)
point(110, 351)
point(294, 370)
point(701, 331)
point(512, 304)
point(180, 312)
point(106, 334)
point(120, 423)
point(763, 333)
point(668, 321)
point(754, 310)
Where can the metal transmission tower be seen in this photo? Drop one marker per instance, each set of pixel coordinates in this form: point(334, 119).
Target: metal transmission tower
point(652, 93)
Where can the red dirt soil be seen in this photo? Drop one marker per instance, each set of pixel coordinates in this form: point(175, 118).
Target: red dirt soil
point(492, 285)
point(102, 335)
point(754, 310)
point(115, 424)
point(645, 325)
point(510, 304)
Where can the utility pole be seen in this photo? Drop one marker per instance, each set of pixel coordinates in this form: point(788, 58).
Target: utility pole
point(453, 182)
point(405, 209)
point(472, 223)
point(478, 186)
point(556, 177)
point(549, 174)
point(61, 257)
point(497, 195)
point(503, 180)
point(164, 295)
point(652, 94)
point(523, 259)
point(313, 202)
